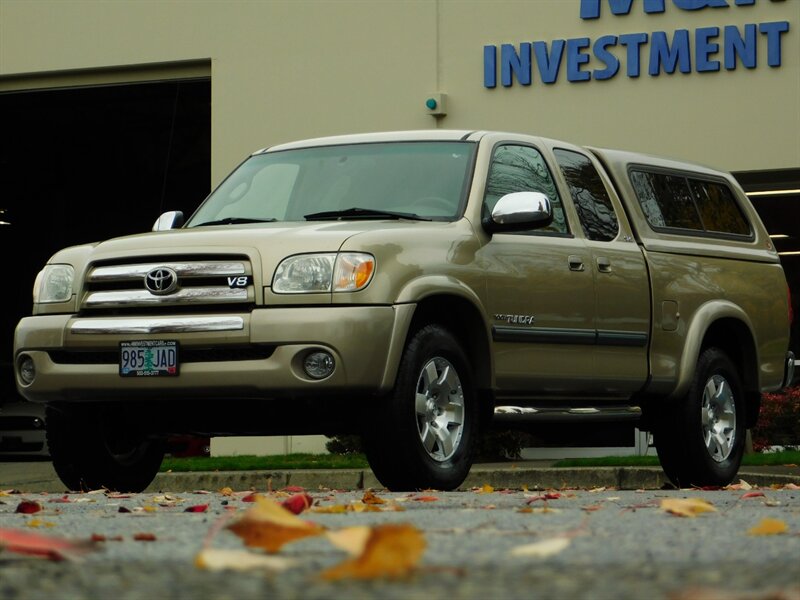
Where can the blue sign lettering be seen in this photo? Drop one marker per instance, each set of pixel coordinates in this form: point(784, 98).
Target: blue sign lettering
point(590, 9)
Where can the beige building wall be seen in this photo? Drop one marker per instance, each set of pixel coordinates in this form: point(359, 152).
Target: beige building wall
point(290, 69)
point(284, 70)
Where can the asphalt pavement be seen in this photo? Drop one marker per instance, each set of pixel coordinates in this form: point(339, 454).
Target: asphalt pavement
point(39, 476)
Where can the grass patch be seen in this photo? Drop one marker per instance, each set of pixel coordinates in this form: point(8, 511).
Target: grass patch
point(264, 463)
point(787, 457)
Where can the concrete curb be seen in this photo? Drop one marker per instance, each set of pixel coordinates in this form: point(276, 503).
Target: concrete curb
point(623, 478)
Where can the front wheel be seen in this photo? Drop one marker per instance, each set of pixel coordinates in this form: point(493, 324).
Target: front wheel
point(700, 441)
point(94, 447)
point(425, 434)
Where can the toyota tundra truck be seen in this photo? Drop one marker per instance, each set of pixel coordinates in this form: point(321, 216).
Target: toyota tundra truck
point(403, 286)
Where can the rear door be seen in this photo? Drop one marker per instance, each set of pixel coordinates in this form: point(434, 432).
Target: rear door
point(622, 289)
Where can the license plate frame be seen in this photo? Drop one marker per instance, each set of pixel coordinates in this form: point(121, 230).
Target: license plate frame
point(149, 358)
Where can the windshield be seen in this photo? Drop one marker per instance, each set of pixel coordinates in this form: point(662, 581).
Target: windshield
point(406, 179)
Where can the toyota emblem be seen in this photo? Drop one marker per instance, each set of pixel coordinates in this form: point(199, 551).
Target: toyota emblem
point(161, 281)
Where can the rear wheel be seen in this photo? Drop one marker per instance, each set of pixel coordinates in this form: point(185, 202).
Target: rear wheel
point(94, 447)
point(425, 434)
point(700, 440)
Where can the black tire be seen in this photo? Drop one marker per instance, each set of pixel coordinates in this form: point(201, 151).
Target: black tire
point(700, 439)
point(393, 442)
point(93, 448)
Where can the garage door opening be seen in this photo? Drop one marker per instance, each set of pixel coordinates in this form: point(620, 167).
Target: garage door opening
point(85, 164)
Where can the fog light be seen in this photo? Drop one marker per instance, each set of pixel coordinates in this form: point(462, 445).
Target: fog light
point(319, 364)
point(27, 371)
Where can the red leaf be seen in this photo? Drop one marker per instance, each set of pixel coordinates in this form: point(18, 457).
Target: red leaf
point(197, 508)
point(752, 495)
point(294, 489)
point(62, 500)
point(297, 503)
point(28, 507)
point(144, 537)
point(34, 544)
point(250, 498)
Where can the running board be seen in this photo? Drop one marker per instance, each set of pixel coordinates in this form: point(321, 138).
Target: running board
point(529, 413)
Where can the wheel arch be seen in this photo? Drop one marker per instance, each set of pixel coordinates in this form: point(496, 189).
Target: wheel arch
point(726, 326)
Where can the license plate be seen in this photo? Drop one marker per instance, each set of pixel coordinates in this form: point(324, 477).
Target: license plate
point(148, 358)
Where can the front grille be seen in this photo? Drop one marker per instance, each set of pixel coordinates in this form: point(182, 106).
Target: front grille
point(189, 285)
point(185, 355)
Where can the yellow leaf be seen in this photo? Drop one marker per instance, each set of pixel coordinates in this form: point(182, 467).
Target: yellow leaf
point(269, 526)
point(391, 551)
point(330, 510)
point(39, 523)
point(213, 559)
point(542, 549)
point(769, 527)
point(686, 507)
point(226, 491)
point(352, 540)
point(486, 489)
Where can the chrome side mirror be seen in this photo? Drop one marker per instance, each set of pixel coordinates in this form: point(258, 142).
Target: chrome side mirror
point(169, 220)
point(520, 210)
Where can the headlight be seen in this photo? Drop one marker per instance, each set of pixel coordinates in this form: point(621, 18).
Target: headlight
point(307, 273)
point(53, 284)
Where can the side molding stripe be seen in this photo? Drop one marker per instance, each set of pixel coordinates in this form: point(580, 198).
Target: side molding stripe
point(581, 337)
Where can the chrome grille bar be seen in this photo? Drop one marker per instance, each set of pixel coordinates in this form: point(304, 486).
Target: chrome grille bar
point(185, 296)
point(183, 269)
point(156, 325)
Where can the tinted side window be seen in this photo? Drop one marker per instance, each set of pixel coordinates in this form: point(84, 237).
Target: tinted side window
point(591, 199)
point(718, 208)
point(676, 201)
point(522, 169)
point(666, 200)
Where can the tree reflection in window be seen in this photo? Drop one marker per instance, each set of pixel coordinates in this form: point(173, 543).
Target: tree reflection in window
point(676, 201)
point(591, 199)
point(522, 169)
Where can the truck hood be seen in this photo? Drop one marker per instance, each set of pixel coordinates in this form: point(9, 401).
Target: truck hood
point(266, 244)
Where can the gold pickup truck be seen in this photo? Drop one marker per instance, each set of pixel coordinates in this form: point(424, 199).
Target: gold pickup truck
point(402, 286)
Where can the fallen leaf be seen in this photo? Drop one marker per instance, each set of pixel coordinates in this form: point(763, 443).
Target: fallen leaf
point(269, 526)
point(144, 537)
point(592, 507)
point(360, 507)
point(28, 507)
point(425, 499)
point(123, 509)
point(250, 498)
point(769, 527)
point(352, 540)
point(752, 495)
point(791, 486)
point(330, 510)
point(297, 503)
point(226, 491)
point(34, 544)
point(294, 489)
point(485, 489)
point(686, 507)
point(62, 500)
point(212, 559)
point(197, 508)
point(370, 497)
point(742, 485)
point(39, 523)
point(542, 549)
point(391, 551)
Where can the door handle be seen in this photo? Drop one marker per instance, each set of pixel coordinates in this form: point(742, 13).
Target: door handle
point(603, 264)
point(575, 263)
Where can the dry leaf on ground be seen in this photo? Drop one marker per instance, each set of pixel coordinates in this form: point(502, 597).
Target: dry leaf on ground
point(686, 507)
point(29, 507)
point(769, 527)
point(269, 526)
point(34, 544)
point(352, 540)
point(239, 560)
point(297, 503)
point(390, 551)
point(371, 498)
point(542, 549)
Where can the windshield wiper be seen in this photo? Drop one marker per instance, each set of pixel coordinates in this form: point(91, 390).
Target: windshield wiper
point(235, 220)
point(362, 213)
